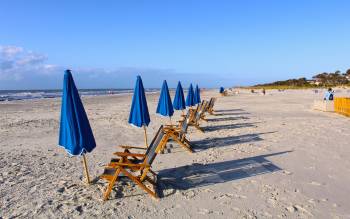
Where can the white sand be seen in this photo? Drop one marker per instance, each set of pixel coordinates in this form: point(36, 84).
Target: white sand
point(266, 157)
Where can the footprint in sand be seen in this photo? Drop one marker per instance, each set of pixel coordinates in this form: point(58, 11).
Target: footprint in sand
point(205, 211)
point(287, 172)
point(241, 196)
point(272, 201)
point(208, 190)
point(316, 183)
point(298, 208)
point(312, 201)
point(189, 194)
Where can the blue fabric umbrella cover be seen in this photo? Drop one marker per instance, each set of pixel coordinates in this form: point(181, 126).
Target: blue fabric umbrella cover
point(165, 107)
point(190, 97)
point(139, 115)
point(75, 132)
point(197, 95)
point(179, 99)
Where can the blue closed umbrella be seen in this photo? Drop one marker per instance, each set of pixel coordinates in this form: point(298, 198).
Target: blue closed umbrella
point(197, 95)
point(179, 99)
point(139, 115)
point(165, 107)
point(75, 132)
point(190, 97)
point(221, 90)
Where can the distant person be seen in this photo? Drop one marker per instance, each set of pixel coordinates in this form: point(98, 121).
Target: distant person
point(329, 94)
point(264, 91)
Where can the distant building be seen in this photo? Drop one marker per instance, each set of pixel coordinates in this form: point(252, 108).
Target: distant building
point(315, 81)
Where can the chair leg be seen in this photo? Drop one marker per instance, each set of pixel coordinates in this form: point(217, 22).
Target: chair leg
point(151, 171)
point(199, 128)
point(150, 181)
point(187, 147)
point(144, 174)
point(111, 184)
point(188, 142)
point(163, 149)
point(138, 182)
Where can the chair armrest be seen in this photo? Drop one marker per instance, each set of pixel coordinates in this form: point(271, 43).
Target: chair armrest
point(165, 127)
point(131, 147)
point(113, 165)
point(124, 154)
point(169, 126)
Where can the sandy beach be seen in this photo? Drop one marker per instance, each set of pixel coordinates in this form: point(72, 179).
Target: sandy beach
point(260, 157)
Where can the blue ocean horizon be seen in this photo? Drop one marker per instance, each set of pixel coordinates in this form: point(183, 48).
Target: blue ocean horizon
point(11, 95)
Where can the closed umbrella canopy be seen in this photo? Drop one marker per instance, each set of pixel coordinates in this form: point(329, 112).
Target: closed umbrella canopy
point(179, 99)
point(190, 97)
point(165, 107)
point(222, 89)
point(139, 115)
point(197, 95)
point(75, 132)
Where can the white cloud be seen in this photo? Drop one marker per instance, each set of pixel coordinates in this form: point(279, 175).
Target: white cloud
point(10, 51)
point(15, 62)
point(31, 59)
point(24, 69)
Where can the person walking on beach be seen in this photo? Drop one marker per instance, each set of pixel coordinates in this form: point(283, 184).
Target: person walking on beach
point(264, 91)
point(329, 94)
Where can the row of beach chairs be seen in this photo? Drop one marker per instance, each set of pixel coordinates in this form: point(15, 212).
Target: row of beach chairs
point(137, 166)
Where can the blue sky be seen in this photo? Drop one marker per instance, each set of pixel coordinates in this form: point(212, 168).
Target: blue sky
point(212, 43)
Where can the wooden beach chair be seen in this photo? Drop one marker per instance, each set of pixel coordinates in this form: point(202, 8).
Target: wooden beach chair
point(210, 107)
point(197, 115)
point(205, 110)
point(201, 114)
point(135, 166)
point(224, 93)
point(178, 133)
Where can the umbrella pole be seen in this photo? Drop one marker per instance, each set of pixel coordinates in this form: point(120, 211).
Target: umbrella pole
point(86, 169)
point(170, 120)
point(145, 132)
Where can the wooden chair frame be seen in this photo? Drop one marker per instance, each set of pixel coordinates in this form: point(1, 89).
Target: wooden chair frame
point(178, 133)
point(134, 168)
point(197, 115)
point(210, 108)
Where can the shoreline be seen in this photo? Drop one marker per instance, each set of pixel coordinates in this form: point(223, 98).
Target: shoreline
point(153, 91)
point(83, 96)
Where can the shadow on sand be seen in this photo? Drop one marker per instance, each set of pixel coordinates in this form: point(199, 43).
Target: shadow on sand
point(229, 110)
point(198, 175)
point(228, 126)
point(230, 113)
point(227, 141)
point(227, 119)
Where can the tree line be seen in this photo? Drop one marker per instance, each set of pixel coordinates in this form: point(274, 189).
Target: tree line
point(322, 79)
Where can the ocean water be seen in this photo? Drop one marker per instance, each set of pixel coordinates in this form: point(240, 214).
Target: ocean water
point(10, 95)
